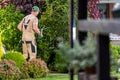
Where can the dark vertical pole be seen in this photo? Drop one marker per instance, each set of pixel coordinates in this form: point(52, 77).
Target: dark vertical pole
point(82, 9)
point(71, 74)
point(82, 15)
point(82, 36)
point(71, 33)
point(103, 66)
point(71, 22)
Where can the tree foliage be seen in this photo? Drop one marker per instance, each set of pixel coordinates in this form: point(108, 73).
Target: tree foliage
point(93, 10)
point(115, 50)
point(55, 20)
point(24, 5)
point(9, 20)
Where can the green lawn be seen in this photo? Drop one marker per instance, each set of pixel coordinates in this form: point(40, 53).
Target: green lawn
point(66, 77)
point(55, 77)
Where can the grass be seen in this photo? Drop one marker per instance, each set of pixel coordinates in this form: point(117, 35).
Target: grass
point(55, 77)
point(67, 77)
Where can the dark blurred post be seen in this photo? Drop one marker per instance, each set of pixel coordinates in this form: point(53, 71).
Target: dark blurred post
point(71, 22)
point(103, 63)
point(82, 15)
point(71, 33)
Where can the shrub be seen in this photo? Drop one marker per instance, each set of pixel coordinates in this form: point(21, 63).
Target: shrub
point(9, 71)
point(34, 69)
point(60, 59)
point(15, 56)
point(80, 56)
